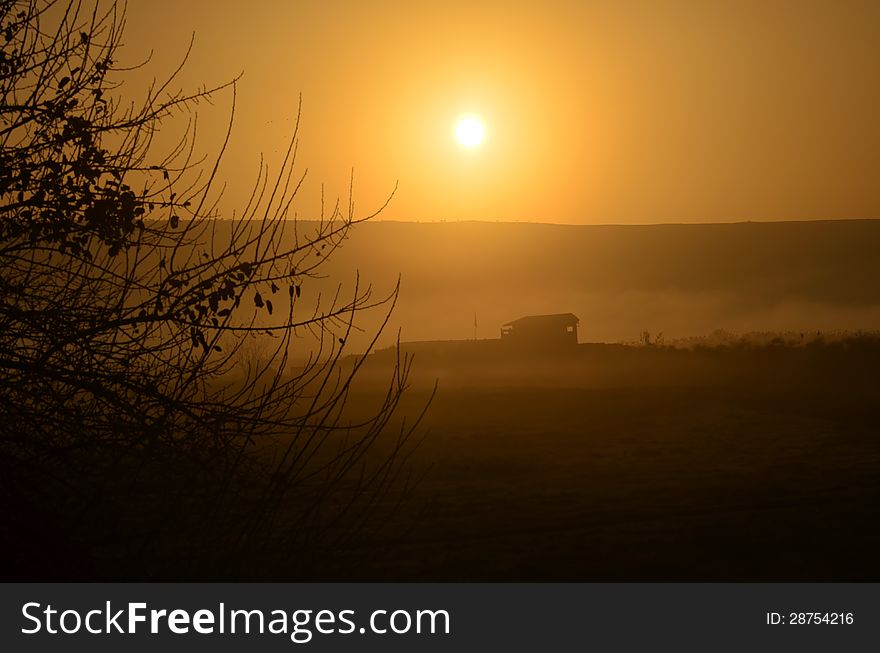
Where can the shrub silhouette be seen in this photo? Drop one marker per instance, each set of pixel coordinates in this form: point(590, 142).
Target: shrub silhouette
point(135, 438)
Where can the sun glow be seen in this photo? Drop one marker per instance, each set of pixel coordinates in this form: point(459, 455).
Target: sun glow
point(470, 132)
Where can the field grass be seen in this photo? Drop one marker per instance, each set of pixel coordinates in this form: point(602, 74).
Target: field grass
point(757, 465)
point(598, 463)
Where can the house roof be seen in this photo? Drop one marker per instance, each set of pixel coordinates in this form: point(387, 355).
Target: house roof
point(566, 319)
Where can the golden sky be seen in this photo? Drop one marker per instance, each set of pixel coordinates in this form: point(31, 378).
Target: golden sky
point(595, 112)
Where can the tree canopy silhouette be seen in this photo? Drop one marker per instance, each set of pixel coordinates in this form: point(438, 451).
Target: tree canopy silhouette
point(136, 432)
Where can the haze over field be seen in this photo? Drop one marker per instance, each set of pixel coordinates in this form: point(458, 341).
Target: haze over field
point(681, 280)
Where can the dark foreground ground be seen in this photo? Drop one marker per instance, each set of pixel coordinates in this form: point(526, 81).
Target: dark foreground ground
point(750, 464)
point(600, 462)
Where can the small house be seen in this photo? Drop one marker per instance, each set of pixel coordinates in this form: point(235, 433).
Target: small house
point(546, 331)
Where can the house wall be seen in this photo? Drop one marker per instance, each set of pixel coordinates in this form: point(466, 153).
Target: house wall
point(541, 334)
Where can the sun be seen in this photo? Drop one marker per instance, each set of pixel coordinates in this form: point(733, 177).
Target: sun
point(470, 132)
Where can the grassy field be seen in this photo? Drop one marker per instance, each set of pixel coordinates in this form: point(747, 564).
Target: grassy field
point(601, 462)
point(759, 464)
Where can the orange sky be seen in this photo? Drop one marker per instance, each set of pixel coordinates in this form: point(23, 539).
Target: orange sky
point(596, 112)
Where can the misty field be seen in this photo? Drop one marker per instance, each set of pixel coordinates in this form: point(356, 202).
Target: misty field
point(753, 464)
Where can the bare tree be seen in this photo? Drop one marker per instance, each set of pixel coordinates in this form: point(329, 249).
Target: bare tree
point(135, 434)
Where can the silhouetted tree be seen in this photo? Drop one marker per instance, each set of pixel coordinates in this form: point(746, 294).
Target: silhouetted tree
point(135, 435)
